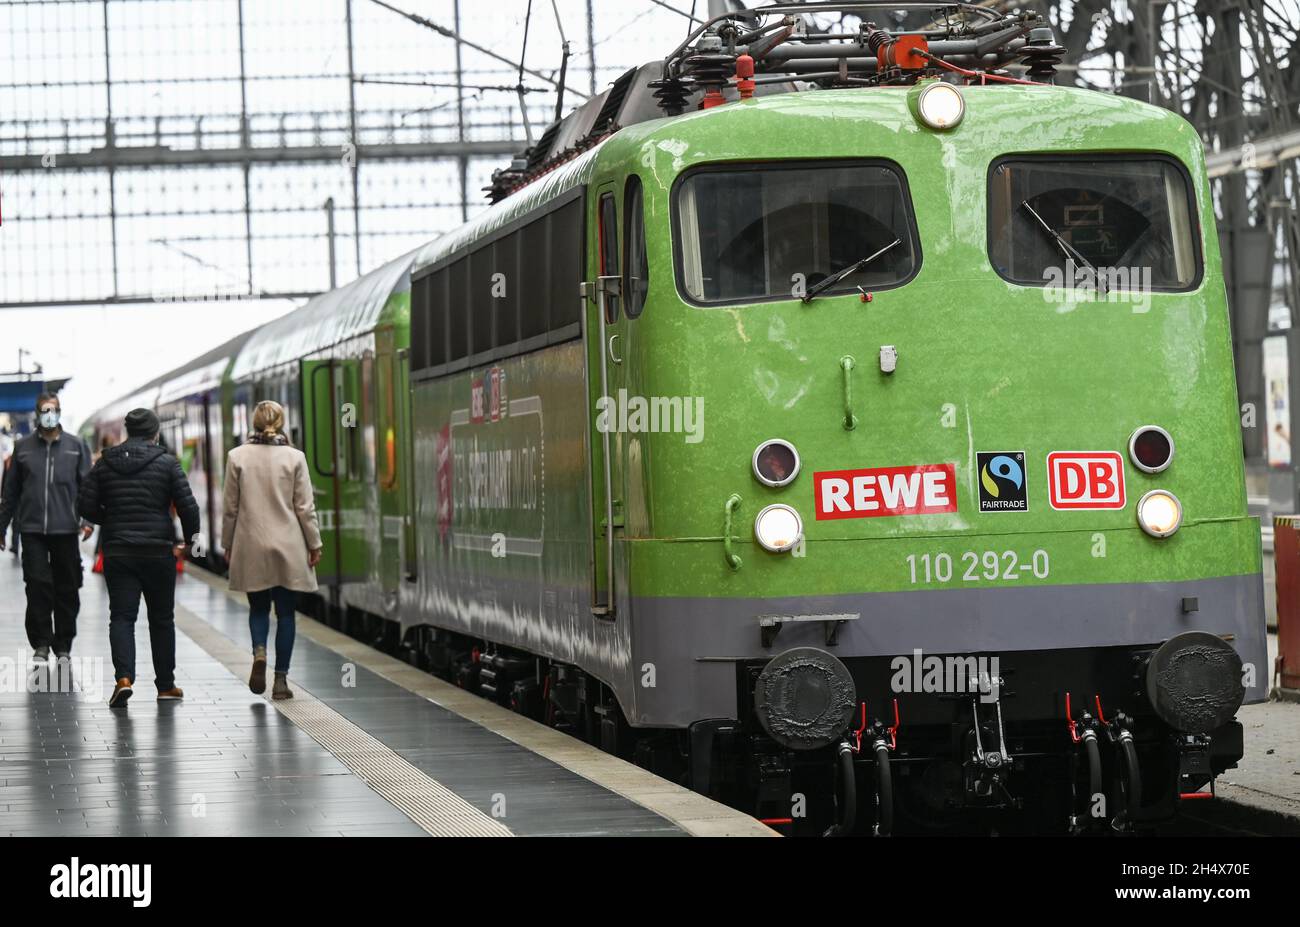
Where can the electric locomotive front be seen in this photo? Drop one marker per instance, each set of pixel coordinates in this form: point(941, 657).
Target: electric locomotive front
point(981, 496)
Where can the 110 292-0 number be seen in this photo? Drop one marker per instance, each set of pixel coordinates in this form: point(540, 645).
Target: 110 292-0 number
point(974, 567)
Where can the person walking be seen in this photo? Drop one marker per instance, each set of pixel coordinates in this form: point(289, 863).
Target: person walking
point(45, 473)
point(130, 493)
point(271, 538)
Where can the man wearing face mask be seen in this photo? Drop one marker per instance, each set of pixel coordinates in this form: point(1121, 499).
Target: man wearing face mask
point(131, 491)
point(40, 496)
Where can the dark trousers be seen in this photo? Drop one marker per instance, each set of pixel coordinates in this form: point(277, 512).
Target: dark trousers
point(52, 574)
point(130, 576)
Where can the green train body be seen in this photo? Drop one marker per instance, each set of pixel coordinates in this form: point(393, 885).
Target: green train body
point(450, 405)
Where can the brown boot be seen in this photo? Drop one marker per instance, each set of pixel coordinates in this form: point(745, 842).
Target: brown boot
point(257, 678)
point(280, 688)
point(173, 694)
point(121, 692)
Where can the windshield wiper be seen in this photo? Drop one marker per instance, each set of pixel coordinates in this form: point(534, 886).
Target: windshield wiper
point(1071, 253)
point(852, 268)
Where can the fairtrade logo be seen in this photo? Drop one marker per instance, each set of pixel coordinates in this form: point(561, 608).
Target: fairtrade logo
point(1002, 485)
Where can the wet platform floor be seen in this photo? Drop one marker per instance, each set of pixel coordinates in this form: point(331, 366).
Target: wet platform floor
point(354, 754)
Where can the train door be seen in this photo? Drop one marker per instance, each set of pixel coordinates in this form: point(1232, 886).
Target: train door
point(406, 463)
point(213, 463)
point(351, 415)
point(609, 323)
point(320, 444)
point(392, 435)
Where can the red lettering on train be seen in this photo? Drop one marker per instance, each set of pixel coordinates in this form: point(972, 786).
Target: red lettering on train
point(924, 489)
point(1085, 480)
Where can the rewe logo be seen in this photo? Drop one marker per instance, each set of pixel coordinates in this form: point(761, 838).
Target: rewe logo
point(103, 880)
point(927, 489)
point(1085, 480)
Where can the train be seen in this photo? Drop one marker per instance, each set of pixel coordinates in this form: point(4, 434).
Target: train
point(839, 422)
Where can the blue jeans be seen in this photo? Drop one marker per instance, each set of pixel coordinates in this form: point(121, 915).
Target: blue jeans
point(259, 622)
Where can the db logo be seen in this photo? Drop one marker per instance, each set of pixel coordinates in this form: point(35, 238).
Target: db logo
point(1085, 480)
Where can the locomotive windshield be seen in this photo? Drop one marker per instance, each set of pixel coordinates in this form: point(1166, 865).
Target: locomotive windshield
point(775, 231)
point(1126, 221)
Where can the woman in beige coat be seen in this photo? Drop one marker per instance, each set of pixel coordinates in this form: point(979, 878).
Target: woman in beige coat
point(270, 536)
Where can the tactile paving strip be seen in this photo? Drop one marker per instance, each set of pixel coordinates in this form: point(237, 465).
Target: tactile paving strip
point(432, 806)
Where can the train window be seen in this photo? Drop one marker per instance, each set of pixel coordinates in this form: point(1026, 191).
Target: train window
point(239, 419)
point(609, 250)
point(534, 275)
point(567, 271)
point(369, 406)
point(438, 309)
point(420, 322)
point(482, 269)
point(349, 391)
point(636, 273)
point(458, 308)
point(505, 288)
point(770, 231)
point(1129, 218)
point(291, 412)
point(429, 321)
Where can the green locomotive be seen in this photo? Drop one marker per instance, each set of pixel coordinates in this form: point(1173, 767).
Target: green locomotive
point(800, 422)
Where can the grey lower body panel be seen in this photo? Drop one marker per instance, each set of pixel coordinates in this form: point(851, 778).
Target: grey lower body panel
point(694, 643)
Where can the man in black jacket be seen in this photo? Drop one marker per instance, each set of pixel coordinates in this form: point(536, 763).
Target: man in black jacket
point(40, 496)
point(130, 492)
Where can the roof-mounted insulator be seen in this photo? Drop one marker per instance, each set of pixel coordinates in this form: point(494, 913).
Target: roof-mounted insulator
point(876, 38)
point(745, 76)
point(1041, 54)
point(712, 97)
point(672, 93)
point(710, 67)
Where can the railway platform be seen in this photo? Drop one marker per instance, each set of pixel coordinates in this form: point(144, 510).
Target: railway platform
point(369, 745)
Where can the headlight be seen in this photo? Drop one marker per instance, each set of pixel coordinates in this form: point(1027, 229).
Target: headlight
point(778, 528)
point(1151, 448)
point(941, 106)
point(1159, 513)
point(776, 462)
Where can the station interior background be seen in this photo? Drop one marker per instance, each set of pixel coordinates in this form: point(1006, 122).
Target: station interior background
point(172, 172)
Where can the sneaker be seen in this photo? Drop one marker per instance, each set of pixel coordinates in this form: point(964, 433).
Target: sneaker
point(257, 678)
point(280, 689)
point(171, 695)
point(121, 692)
point(63, 674)
point(40, 654)
point(62, 656)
